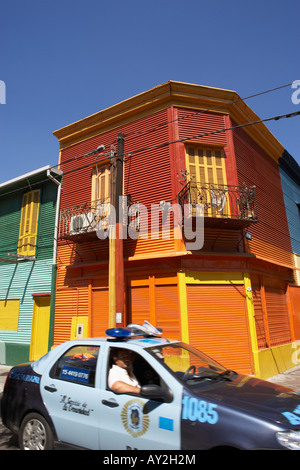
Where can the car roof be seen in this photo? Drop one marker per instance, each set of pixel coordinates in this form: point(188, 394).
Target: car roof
point(119, 337)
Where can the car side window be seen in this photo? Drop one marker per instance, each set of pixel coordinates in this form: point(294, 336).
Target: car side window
point(142, 370)
point(77, 365)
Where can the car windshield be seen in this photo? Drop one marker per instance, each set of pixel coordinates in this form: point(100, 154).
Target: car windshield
point(187, 363)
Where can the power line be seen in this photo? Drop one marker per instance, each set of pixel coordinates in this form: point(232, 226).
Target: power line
point(136, 133)
point(207, 110)
point(129, 154)
point(274, 118)
point(165, 144)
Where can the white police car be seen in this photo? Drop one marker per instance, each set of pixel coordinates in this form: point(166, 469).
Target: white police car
point(187, 400)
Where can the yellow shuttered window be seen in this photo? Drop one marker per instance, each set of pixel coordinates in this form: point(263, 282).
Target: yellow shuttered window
point(101, 184)
point(29, 223)
point(207, 174)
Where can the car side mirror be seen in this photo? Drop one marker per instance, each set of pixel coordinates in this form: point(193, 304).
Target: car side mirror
point(154, 391)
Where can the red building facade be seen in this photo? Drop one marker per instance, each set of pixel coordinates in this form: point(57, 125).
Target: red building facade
point(182, 148)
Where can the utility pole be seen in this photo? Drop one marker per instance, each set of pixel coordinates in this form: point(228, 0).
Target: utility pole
point(116, 260)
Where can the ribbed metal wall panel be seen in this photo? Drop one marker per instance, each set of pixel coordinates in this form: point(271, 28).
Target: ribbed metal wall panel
point(272, 317)
point(191, 124)
point(147, 174)
point(20, 281)
point(167, 310)
point(270, 236)
point(291, 194)
point(139, 304)
point(218, 324)
point(294, 292)
point(100, 308)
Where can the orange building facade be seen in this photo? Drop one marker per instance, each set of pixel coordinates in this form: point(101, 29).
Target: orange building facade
point(228, 296)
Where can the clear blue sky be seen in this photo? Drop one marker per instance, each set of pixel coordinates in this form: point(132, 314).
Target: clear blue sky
point(62, 60)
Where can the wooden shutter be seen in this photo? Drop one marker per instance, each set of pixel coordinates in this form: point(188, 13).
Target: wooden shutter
point(101, 184)
point(218, 324)
point(29, 223)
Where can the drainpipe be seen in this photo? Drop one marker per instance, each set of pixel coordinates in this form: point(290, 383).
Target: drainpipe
point(54, 266)
point(57, 213)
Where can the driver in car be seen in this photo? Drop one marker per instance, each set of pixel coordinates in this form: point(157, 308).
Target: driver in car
point(121, 378)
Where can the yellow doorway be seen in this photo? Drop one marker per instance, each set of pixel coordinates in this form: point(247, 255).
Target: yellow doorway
point(40, 327)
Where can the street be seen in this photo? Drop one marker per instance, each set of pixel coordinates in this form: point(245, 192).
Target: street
point(8, 441)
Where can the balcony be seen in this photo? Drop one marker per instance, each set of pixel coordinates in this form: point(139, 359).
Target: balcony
point(81, 223)
point(223, 206)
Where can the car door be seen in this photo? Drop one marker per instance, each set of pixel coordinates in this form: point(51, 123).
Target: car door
point(132, 422)
point(70, 393)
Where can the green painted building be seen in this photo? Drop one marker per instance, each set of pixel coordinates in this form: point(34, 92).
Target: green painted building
point(28, 221)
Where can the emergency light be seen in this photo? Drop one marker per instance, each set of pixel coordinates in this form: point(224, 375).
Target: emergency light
point(134, 330)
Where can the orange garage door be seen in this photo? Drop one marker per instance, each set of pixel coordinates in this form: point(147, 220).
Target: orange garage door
point(218, 324)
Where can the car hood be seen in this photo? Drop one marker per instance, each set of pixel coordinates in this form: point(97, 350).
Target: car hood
point(253, 395)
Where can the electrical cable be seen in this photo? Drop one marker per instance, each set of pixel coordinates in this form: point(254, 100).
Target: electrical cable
point(136, 133)
point(207, 110)
point(164, 144)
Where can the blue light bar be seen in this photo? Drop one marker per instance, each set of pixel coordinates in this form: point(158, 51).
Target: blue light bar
point(134, 330)
point(118, 332)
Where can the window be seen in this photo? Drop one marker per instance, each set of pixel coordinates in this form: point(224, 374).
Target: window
point(101, 184)
point(206, 166)
point(77, 365)
point(9, 314)
point(207, 175)
point(143, 371)
point(29, 223)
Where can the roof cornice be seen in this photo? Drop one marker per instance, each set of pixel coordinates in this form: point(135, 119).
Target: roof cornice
point(168, 94)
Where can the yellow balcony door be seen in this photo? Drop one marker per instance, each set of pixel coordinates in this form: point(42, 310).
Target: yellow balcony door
point(207, 173)
point(40, 327)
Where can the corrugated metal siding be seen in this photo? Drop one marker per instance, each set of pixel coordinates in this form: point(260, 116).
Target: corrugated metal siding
point(190, 124)
point(139, 302)
point(167, 310)
point(147, 174)
point(71, 301)
point(100, 309)
point(218, 324)
point(259, 313)
point(156, 301)
point(20, 281)
point(10, 214)
point(291, 194)
point(277, 311)
point(272, 317)
point(270, 237)
point(294, 292)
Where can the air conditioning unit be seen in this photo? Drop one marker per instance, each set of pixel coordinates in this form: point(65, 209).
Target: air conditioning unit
point(82, 223)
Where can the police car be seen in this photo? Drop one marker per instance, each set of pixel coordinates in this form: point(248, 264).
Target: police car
point(186, 401)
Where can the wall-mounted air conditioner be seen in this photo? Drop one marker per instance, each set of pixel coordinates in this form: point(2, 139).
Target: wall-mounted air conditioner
point(82, 223)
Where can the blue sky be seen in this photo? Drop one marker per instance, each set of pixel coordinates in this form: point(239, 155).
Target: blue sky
point(62, 60)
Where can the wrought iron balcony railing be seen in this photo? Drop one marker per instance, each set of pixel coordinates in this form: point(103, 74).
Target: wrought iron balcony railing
point(221, 202)
point(83, 221)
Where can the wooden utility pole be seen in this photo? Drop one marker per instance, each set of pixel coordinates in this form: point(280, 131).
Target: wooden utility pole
point(119, 234)
point(116, 261)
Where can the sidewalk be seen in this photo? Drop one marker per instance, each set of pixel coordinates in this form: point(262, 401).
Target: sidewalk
point(289, 378)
